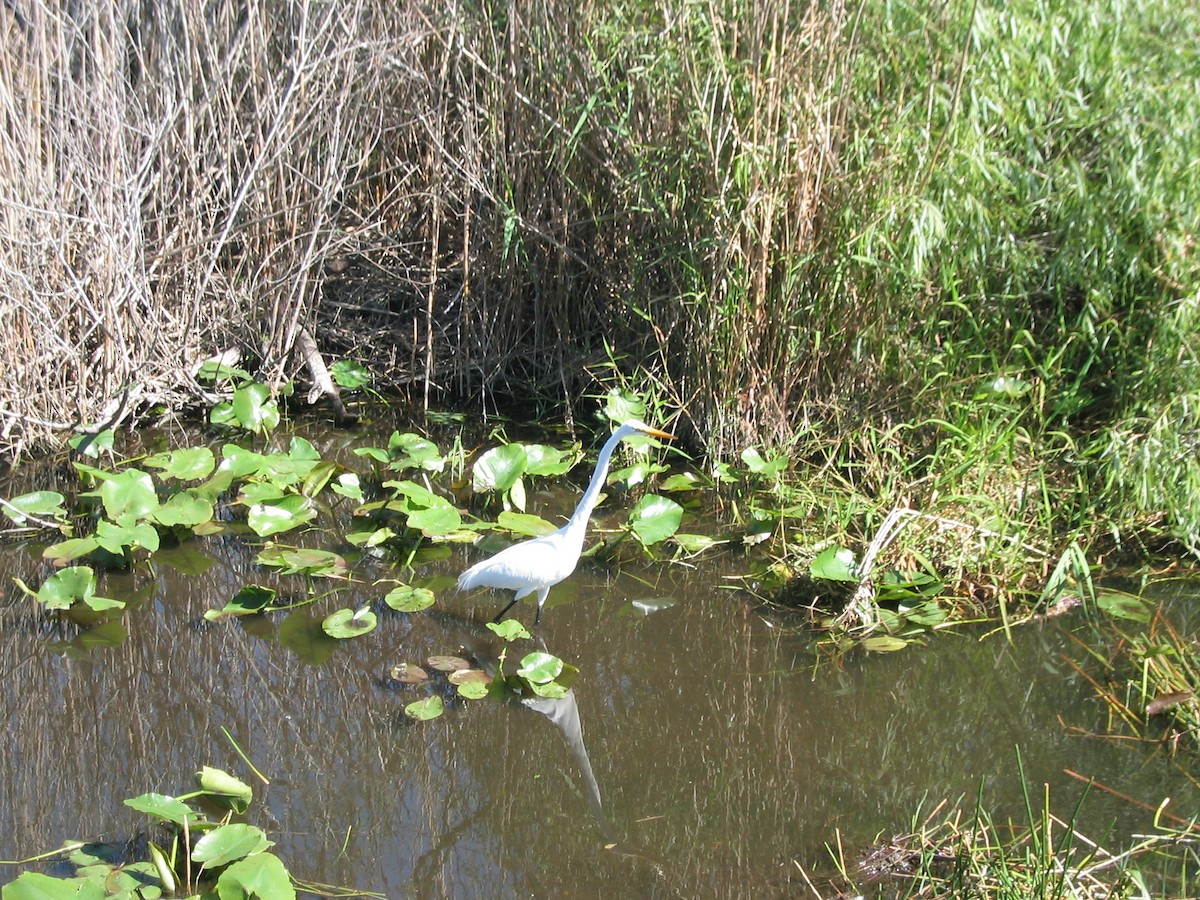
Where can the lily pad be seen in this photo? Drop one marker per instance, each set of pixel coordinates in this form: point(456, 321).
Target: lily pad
point(349, 374)
point(423, 710)
point(271, 518)
point(834, 564)
point(225, 789)
point(655, 519)
point(406, 598)
point(499, 469)
point(349, 623)
point(447, 663)
point(249, 600)
point(256, 875)
point(229, 843)
point(407, 673)
point(164, 807)
point(187, 464)
point(539, 667)
point(39, 504)
point(524, 523)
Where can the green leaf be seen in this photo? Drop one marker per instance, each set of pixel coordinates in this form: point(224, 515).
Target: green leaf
point(473, 690)
point(834, 564)
point(214, 370)
point(67, 551)
point(94, 444)
point(761, 467)
point(655, 519)
point(695, 543)
point(524, 523)
point(884, 644)
point(226, 789)
point(347, 485)
point(129, 495)
point(186, 509)
point(283, 515)
point(548, 462)
point(249, 600)
point(539, 668)
point(348, 623)
point(621, 405)
point(510, 630)
point(423, 710)
point(228, 843)
point(70, 585)
point(253, 409)
point(349, 374)
point(162, 806)
point(680, 481)
point(1121, 605)
point(188, 464)
point(42, 504)
point(117, 538)
point(498, 469)
point(36, 886)
point(261, 876)
point(406, 598)
point(301, 561)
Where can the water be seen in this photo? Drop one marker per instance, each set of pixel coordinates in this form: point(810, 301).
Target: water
point(723, 757)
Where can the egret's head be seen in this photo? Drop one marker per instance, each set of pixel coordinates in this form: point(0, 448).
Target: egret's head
point(638, 425)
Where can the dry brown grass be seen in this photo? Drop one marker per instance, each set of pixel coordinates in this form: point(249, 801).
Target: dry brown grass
point(472, 202)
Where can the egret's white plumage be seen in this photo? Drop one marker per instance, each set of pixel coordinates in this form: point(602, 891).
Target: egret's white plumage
point(536, 565)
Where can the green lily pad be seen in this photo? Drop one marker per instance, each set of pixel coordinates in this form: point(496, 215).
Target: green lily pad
point(499, 469)
point(539, 667)
point(655, 519)
point(884, 643)
point(423, 710)
point(834, 564)
point(164, 807)
point(225, 789)
point(349, 623)
point(473, 690)
point(229, 843)
point(283, 515)
point(186, 509)
point(69, 586)
point(510, 630)
point(259, 875)
point(447, 663)
point(303, 561)
point(349, 374)
point(406, 598)
point(524, 523)
point(36, 886)
point(251, 599)
point(188, 464)
point(40, 504)
point(129, 496)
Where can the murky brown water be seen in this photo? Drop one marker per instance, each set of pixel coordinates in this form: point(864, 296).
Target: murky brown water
point(722, 755)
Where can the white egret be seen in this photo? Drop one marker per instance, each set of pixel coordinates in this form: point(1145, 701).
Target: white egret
point(538, 564)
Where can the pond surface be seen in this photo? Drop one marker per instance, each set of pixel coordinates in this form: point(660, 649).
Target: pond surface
point(725, 757)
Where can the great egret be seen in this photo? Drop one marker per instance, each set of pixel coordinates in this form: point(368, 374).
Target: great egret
point(538, 564)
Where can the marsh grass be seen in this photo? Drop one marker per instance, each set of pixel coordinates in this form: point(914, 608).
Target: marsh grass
point(956, 852)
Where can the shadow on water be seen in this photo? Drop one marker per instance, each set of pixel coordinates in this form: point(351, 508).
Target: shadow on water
point(718, 756)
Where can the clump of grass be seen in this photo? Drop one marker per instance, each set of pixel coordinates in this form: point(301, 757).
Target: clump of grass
point(952, 852)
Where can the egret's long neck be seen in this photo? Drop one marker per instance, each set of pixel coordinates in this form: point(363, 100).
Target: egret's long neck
point(577, 524)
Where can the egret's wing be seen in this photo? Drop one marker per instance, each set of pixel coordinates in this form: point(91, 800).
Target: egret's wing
point(526, 566)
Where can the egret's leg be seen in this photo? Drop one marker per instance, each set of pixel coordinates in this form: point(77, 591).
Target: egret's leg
point(542, 595)
point(511, 603)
